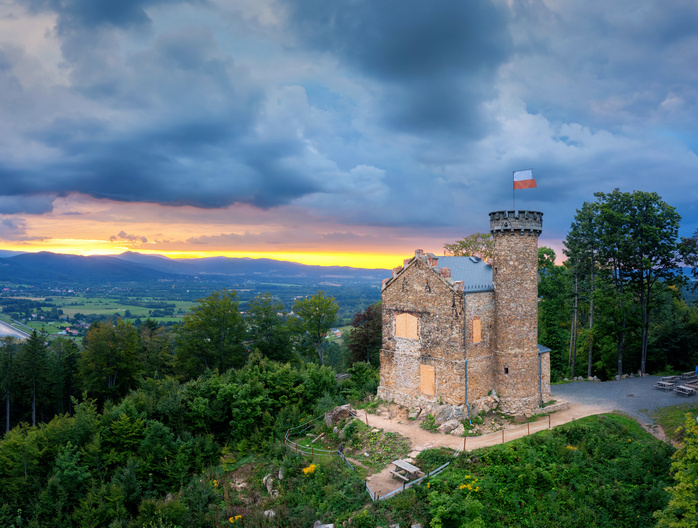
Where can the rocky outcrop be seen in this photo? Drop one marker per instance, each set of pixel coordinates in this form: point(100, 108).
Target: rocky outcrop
point(338, 414)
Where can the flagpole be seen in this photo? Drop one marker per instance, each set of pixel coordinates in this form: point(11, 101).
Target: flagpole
point(513, 191)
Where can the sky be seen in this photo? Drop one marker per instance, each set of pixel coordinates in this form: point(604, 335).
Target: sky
point(343, 132)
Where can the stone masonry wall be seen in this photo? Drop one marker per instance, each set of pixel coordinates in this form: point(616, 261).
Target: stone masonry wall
point(439, 307)
point(480, 356)
point(515, 277)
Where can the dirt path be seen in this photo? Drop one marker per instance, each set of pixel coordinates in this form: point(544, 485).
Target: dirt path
point(395, 420)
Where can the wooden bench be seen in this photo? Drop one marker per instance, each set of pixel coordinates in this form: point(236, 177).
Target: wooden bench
point(686, 391)
point(396, 474)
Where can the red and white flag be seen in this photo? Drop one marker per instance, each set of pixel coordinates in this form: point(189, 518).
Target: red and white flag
point(523, 179)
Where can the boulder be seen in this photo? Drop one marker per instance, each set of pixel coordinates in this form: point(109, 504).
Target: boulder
point(458, 431)
point(448, 426)
point(268, 482)
point(443, 414)
point(269, 514)
point(414, 413)
point(320, 524)
point(337, 414)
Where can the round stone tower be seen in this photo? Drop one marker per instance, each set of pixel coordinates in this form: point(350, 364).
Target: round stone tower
point(517, 369)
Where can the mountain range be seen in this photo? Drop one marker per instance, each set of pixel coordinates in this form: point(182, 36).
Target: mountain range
point(46, 267)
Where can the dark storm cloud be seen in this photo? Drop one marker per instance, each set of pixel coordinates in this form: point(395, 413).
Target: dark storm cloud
point(76, 14)
point(182, 132)
point(435, 60)
point(15, 229)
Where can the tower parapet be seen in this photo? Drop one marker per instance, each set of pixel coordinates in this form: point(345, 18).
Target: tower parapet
point(526, 222)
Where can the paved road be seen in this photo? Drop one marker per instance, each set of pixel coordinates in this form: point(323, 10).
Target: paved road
point(7, 330)
point(634, 396)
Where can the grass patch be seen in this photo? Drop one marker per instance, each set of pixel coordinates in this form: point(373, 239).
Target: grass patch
point(674, 416)
point(429, 424)
point(382, 448)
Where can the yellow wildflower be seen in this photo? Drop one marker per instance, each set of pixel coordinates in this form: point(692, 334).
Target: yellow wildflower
point(309, 470)
point(571, 448)
point(215, 482)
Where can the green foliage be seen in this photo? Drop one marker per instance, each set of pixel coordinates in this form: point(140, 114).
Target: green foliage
point(33, 371)
point(672, 419)
point(682, 510)
point(475, 245)
point(366, 335)
point(450, 510)
point(382, 448)
point(211, 336)
point(314, 318)
point(363, 380)
point(109, 366)
point(269, 333)
point(156, 350)
point(429, 424)
point(430, 459)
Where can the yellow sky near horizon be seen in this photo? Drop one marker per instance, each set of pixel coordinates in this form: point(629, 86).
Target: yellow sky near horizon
point(82, 225)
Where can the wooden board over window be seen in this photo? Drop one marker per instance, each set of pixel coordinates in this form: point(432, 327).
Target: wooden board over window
point(477, 329)
point(406, 326)
point(427, 379)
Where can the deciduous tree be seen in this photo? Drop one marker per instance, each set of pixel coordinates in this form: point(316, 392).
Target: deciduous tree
point(682, 510)
point(212, 335)
point(314, 318)
point(268, 330)
point(475, 245)
point(366, 335)
point(109, 364)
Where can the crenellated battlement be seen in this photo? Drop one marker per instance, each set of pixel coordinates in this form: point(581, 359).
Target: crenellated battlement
point(525, 222)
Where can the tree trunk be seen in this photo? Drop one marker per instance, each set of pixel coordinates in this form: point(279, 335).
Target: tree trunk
point(573, 333)
point(7, 415)
point(591, 320)
point(34, 404)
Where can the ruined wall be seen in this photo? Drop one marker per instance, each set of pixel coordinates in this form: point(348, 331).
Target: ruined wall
point(515, 277)
point(480, 355)
point(439, 309)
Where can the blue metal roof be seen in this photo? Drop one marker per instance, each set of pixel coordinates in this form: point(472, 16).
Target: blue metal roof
point(475, 273)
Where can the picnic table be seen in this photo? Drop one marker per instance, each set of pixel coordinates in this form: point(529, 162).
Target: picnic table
point(687, 375)
point(668, 378)
point(664, 385)
point(410, 471)
point(686, 391)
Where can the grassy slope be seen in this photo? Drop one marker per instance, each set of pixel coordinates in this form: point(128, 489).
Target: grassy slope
point(598, 471)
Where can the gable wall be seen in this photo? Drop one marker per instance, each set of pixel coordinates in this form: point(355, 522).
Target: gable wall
point(420, 292)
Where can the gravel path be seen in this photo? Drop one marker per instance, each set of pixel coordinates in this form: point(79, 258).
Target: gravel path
point(633, 396)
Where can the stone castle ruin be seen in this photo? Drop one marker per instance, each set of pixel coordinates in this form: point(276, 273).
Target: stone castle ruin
point(457, 329)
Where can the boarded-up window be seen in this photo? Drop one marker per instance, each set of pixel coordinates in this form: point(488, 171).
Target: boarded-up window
point(477, 330)
point(406, 326)
point(427, 379)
